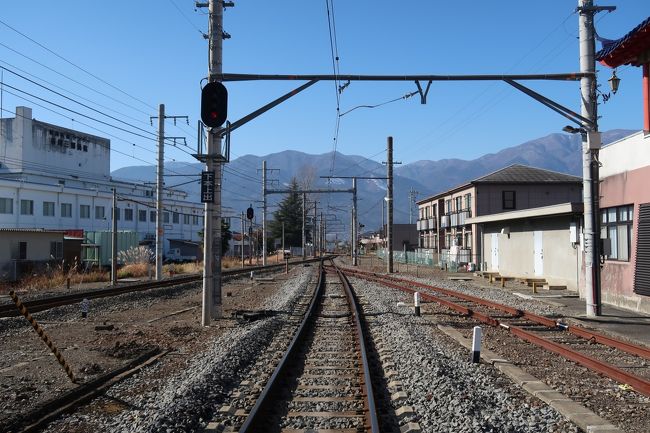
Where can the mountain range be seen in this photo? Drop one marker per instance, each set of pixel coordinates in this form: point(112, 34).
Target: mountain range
point(242, 184)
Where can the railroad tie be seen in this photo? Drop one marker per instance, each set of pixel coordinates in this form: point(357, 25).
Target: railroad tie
point(41, 333)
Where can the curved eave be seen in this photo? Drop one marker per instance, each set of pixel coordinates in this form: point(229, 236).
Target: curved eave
point(631, 49)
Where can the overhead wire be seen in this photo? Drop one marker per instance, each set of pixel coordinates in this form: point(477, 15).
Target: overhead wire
point(77, 66)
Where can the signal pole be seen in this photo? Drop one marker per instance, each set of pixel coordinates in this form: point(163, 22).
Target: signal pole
point(212, 306)
point(355, 223)
point(114, 241)
point(304, 218)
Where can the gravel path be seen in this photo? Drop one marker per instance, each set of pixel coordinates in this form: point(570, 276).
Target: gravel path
point(446, 391)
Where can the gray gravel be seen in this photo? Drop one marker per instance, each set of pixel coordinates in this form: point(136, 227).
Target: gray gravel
point(186, 401)
point(447, 392)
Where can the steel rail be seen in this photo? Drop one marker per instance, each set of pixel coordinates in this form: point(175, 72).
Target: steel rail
point(579, 331)
point(370, 397)
point(9, 310)
point(639, 384)
point(255, 417)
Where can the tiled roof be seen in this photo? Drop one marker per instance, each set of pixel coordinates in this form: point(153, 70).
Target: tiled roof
point(518, 173)
point(626, 49)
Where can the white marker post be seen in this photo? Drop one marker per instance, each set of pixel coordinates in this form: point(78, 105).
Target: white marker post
point(476, 345)
point(416, 301)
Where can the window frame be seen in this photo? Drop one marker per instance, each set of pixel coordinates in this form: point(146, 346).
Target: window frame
point(606, 226)
point(84, 215)
point(512, 200)
point(31, 207)
point(50, 205)
point(68, 208)
point(8, 205)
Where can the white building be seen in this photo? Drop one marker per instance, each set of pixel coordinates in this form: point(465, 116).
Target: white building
point(57, 178)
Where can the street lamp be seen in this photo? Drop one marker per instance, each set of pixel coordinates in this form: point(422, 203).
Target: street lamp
point(614, 81)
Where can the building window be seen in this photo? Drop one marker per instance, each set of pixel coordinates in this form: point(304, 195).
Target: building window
point(152, 216)
point(66, 210)
point(447, 207)
point(99, 213)
point(175, 217)
point(166, 217)
point(616, 225)
point(48, 208)
point(6, 205)
point(195, 220)
point(128, 214)
point(468, 201)
point(142, 216)
point(642, 259)
point(22, 251)
point(84, 211)
point(56, 250)
point(186, 219)
point(27, 207)
point(509, 200)
point(117, 214)
point(459, 204)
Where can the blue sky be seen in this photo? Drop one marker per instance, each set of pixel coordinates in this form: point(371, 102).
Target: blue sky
point(153, 52)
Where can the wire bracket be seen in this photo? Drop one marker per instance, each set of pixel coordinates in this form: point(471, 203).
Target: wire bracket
point(423, 95)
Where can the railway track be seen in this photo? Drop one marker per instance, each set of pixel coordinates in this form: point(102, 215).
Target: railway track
point(619, 360)
point(323, 379)
point(36, 305)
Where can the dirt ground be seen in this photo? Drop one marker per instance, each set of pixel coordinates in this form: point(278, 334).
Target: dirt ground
point(116, 330)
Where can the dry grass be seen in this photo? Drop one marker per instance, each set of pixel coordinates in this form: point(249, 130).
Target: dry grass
point(57, 278)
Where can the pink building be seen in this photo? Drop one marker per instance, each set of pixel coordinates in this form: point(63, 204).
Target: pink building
point(625, 196)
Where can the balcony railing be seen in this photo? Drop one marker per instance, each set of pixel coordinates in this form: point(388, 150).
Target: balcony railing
point(426, 224)
point(457, 218)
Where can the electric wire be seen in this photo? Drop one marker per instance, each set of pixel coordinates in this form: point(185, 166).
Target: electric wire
point(76, 66)
point(75, 81)
point(77, 102)
point(185, 16)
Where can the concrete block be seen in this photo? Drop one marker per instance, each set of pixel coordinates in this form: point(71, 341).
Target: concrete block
point(411, 427)
point(404, 411)
point(395, 385)
point(399, 396)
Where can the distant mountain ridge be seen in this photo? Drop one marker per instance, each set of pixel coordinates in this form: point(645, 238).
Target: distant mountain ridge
point(242, 177)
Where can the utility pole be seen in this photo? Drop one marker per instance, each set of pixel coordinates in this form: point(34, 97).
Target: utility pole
point(159, 191)
point(212, 306)
point(389, 205)
point(114, 241)
point(160, 168)
point(264, 213)
point(241, 242)
point(590, 148)
point(320, 235)
point(313, 231)
point(355, 223)
point(412, 196)
point(304, 218)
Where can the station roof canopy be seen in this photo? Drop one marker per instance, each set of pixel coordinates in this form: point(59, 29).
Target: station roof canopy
point(632, 49)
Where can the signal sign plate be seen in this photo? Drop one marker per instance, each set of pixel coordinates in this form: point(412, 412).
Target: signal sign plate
point(207, 187)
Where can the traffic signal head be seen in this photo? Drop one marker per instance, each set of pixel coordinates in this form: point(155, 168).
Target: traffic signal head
point(249, 213)
point(214, 104)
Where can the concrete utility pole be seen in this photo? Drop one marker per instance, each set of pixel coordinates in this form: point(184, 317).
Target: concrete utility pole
point(313, 231)
point(212, 307)
point(264, 213)
point(389, 206)
point(412, 196)
point(241, 242)
point(355, 223)
point(590, 148)
point(304, 219)
point(114, 241)
point(159, 191)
